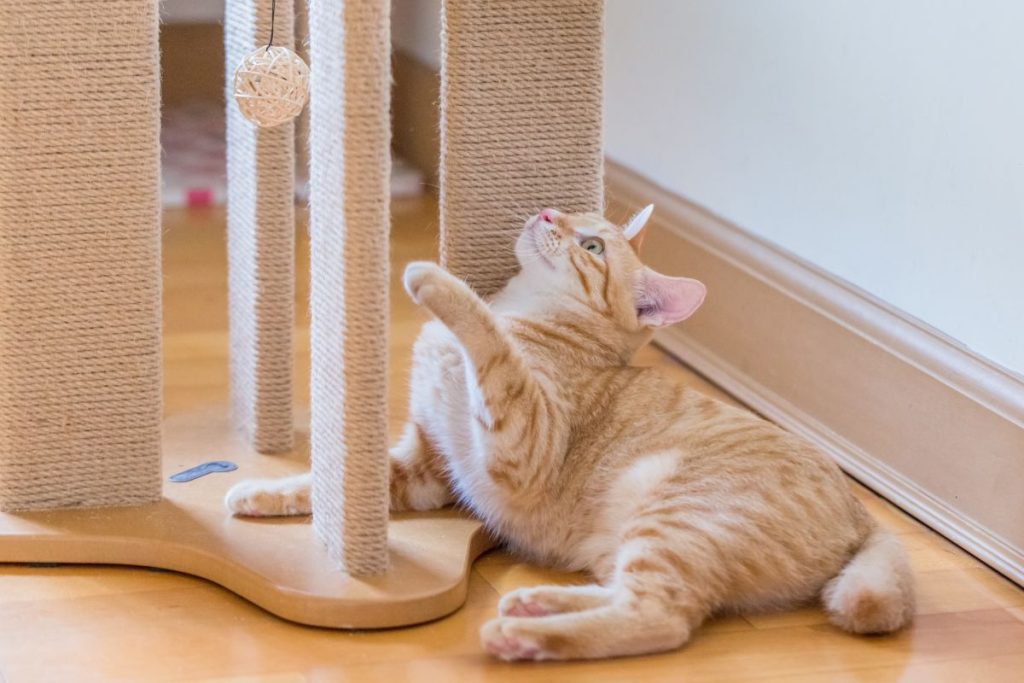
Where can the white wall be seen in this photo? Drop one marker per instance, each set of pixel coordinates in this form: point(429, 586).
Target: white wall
point(191, 11)
point(416, 29)
point(881, 140)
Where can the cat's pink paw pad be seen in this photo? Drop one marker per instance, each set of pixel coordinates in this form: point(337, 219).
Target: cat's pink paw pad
point(527, 609)
point(515, 606)
point(498, 642)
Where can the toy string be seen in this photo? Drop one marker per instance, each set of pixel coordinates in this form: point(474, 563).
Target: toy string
point(273, 12)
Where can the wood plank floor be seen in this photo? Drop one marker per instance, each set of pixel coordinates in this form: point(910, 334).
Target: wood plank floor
point(117, 624)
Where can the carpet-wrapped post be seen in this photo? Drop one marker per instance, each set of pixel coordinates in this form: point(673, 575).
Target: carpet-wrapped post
point(521, 89)
point(80, 386)
point(261, 237)
point(349, 141)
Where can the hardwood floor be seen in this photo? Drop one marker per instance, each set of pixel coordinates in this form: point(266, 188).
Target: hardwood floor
point(115, 624)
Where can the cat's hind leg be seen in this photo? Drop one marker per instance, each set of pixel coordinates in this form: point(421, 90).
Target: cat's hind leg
point(665, 582)
point(647, 608)
point(418, 479)
point(630, 624)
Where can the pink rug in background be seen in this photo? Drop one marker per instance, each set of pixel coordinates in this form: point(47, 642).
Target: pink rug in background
point(192, 142)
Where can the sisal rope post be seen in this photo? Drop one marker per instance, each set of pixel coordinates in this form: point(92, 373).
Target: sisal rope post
point(261, 236)
point(349, 222)
point(521, 98)
point(80, 384)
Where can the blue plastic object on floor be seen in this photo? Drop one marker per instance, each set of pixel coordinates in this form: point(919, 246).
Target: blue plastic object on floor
point(204, 469)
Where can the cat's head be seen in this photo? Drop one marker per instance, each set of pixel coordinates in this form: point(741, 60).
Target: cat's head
point(596, 262)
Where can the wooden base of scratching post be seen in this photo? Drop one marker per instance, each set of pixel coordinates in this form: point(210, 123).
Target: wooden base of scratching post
point(278, 564)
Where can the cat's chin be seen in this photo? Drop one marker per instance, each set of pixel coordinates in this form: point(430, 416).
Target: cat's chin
point(529, 253)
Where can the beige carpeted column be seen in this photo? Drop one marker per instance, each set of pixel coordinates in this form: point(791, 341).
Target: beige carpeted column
point(261, 237)
point(79, 254)
point(521, 89)
point(349, 214)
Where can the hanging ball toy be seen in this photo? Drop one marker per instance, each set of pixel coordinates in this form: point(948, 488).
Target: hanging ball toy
point(271, 84)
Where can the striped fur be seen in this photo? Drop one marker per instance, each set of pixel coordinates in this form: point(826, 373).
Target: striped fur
point(525, 410)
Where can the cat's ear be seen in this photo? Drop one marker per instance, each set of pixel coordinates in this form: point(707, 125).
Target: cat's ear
point(636, 228)
point(662, 300)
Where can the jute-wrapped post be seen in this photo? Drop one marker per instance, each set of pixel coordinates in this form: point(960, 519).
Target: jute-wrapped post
point(349, 221)
point(521, 88)
point(261, 237)
point(80, 384)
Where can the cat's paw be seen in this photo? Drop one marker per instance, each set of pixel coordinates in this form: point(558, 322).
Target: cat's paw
point(542, 601)
point(418, 277)
point(518, 603)
point(499, 638)
point(269, 498)
point(545, 600)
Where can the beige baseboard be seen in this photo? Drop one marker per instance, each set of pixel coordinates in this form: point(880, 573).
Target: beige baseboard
point(929, 425)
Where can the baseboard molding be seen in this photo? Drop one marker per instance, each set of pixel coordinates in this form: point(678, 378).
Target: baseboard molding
point(904, 409)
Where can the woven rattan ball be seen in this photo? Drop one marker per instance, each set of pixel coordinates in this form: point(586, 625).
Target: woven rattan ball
point(271, 86)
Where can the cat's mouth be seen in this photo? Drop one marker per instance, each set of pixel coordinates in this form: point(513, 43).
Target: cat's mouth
point(542, 253)
point(545, 244)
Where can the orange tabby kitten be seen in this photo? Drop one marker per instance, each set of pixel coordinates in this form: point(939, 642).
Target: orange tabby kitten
point(525, 410)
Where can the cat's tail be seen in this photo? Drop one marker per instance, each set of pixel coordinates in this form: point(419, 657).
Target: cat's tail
point(874, 593)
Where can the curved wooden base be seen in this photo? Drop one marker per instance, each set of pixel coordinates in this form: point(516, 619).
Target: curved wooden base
point(276, 563)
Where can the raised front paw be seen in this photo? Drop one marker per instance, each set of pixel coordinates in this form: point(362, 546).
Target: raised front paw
point(449, 299)
point(419, 277)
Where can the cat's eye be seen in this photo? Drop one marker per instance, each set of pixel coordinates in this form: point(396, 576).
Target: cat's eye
point(595, 245)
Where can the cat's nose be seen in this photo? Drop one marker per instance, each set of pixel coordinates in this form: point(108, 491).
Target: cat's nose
point(547, 215)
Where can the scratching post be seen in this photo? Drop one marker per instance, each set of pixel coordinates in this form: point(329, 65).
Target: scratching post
point(79, 254)
point(521, 88)
point(80, 289)
point(261, 234)
point(349, 221)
